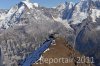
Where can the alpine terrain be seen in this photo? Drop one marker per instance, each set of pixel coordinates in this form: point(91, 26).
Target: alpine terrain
point(28, 30)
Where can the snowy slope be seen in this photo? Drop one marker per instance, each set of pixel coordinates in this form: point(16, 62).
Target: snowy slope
point(95, 14)
point(67, 11)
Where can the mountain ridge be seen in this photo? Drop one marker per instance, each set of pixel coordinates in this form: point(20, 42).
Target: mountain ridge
point(25, 27)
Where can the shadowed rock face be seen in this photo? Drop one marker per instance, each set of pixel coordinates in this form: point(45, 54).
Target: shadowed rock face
point(88, 39)
point(61, 49)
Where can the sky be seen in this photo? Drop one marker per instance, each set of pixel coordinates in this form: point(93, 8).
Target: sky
point(6, 4)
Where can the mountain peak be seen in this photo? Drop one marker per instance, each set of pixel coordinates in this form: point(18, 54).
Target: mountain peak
point(28, 4)
point(16, 12)
point(36, 4)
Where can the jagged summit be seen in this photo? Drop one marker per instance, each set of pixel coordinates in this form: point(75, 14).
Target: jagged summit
point(16, 12)
point(29, 4)
point(81, 10)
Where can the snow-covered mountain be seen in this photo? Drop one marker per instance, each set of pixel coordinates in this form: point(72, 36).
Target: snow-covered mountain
point(26, 25)
point(84, 18)
point(24, 28)
point(81, 10)
point(14, 14)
